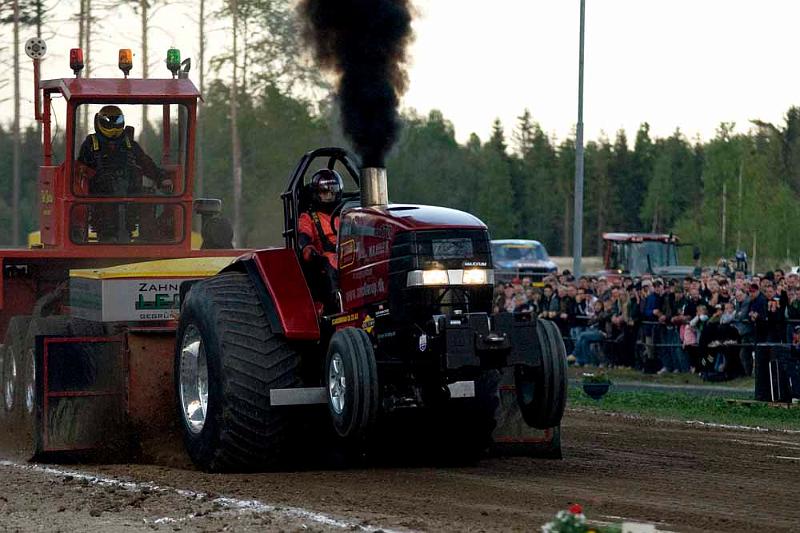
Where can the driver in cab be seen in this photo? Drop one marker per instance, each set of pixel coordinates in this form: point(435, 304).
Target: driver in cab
point(118, 165)
point(318, 231)
point(117, 160)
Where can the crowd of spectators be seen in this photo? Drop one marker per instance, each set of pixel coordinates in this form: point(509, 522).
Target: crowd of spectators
point(708, 324)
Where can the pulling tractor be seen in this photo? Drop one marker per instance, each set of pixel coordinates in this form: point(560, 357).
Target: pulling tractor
point(413, 333)
point(113, 345)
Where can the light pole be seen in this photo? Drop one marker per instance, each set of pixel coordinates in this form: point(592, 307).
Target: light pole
point(577, 225)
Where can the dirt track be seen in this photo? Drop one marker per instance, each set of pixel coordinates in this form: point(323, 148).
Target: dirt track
point(681, 477)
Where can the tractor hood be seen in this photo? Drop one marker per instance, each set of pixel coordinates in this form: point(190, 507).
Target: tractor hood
point(417, 217)
point(674, 271)
point(533, 264)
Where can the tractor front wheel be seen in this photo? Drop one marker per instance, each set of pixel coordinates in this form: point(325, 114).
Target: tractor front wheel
point(542, 390)
point(227, 358)
point(351, 376)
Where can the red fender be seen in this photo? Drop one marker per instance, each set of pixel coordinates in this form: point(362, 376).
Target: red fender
point(283, 290)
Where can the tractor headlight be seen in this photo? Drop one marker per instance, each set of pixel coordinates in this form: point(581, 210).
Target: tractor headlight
point(419, 278)
point(476, 276)
point(435, 277)
point(438, 277)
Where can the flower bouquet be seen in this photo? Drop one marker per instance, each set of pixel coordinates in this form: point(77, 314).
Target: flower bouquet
point(596, 384)
point(574, 521)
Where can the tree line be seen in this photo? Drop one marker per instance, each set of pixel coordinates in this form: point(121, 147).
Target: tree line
point(519, 180)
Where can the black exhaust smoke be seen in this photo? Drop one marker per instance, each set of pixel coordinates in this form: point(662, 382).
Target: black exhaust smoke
point(364, 42)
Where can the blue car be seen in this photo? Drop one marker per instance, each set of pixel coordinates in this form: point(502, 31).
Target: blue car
point(518, 258)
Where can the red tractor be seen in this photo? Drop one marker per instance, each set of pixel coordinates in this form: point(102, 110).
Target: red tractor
point(414, 331)
point(635, 254)
point(83, 354)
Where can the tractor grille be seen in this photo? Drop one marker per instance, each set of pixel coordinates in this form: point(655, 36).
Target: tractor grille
point(441, 249)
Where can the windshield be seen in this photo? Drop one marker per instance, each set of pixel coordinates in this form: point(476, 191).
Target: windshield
point(519, 252)
point(647, 255)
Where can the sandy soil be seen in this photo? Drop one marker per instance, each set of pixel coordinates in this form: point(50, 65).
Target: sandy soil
point(678, 476)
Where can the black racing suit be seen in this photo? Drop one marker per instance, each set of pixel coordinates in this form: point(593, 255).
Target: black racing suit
point(119, 166)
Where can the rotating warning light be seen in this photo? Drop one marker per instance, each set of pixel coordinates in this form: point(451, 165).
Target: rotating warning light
point(125, 60)
point(76, 60)
point(174, 61)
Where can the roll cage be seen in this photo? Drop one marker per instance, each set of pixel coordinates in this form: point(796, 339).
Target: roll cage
point(295, 197)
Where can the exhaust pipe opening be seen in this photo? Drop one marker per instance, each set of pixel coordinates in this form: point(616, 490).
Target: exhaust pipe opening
point(374, 189)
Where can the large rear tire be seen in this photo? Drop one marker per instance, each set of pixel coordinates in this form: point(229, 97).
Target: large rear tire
point(542, 391)
point(227, 358)
point(351, 375)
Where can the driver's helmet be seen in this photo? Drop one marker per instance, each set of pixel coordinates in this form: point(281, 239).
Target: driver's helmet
point(109, 122)
point(326, 189)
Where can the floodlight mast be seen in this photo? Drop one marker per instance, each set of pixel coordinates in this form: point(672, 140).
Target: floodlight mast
point(577, 229)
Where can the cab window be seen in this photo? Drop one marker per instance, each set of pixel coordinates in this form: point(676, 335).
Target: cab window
point(115, 222)
point(117, 154)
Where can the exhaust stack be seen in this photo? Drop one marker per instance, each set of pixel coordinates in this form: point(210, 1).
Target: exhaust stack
point(374, 190)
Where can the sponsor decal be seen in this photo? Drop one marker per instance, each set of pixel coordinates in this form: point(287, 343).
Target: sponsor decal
point(374, 250)
point(367, 289)
point(381, 312)
point(126, 300)
point(157, 296)
point(369, 324)
point(362, 273)
point(383, 231)
point(352, 317)
point(475, 263)
point(387, 335)
point(423, 342)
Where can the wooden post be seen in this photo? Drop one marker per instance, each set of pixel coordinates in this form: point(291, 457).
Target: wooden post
point(16, 151)
point(145, 70)
point(198, 182)
point(724, 216)
point(739, 216)
point(235, 143)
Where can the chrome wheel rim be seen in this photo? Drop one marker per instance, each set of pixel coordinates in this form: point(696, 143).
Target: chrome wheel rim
point(10, 379)
point(193, 380)
point(337, 384)
point(30, 390)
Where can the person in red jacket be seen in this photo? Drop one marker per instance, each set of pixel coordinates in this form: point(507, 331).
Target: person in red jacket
point(318, 232)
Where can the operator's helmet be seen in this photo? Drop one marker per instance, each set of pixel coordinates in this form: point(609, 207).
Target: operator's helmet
point(326, 189)
point(109, 122)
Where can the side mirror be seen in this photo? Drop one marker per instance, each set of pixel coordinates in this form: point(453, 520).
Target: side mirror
point(208, 206)
point(216, 230)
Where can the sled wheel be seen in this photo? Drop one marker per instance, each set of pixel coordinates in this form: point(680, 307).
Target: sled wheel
point(15, 342)
point(3, 351)
point(542, 391)
point(227, 358)
point(27, 392)
point(351, 376)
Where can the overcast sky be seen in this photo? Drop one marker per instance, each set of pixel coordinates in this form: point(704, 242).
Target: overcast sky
point(674, 63)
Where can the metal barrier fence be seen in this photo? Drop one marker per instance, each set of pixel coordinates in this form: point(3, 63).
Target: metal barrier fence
point(648, 342)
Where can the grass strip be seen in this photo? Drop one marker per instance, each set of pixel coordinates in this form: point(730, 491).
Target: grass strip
point(685, 407)
point(630, 374)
